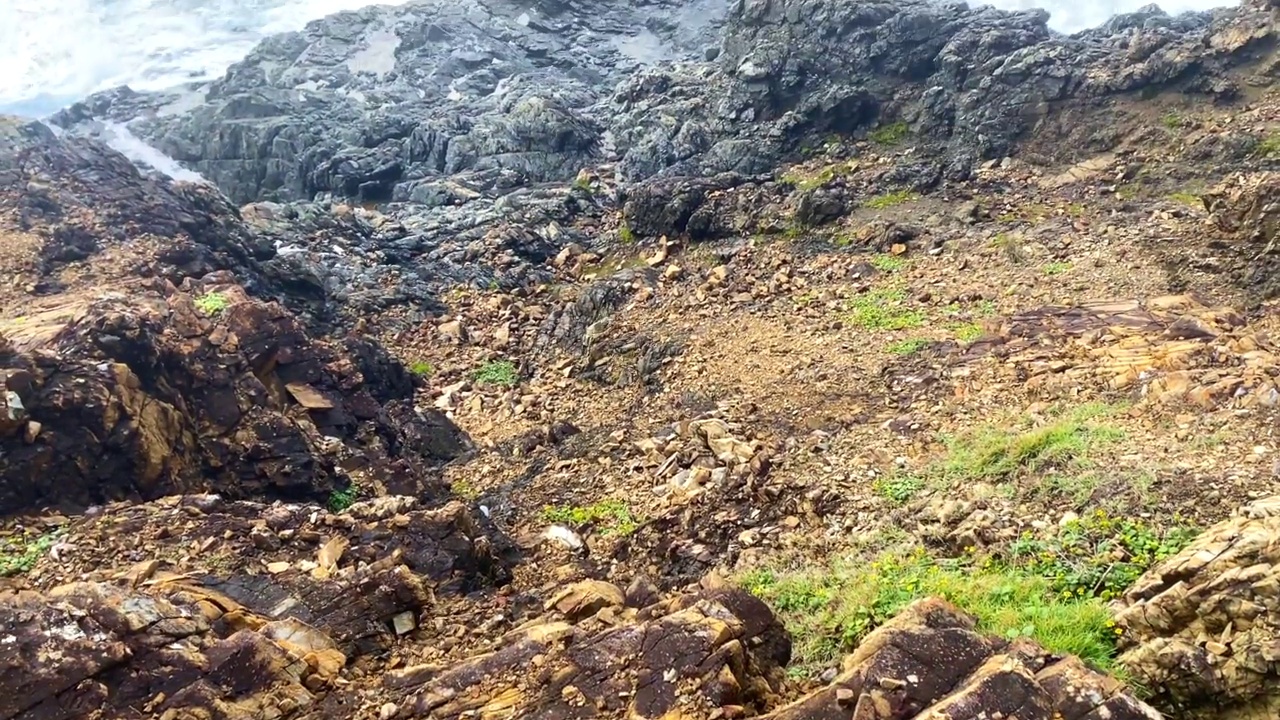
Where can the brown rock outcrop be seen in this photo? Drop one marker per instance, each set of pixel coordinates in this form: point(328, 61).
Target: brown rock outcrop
point(711, 653)
point(156, 626)
point(147, 348)
point(140, 392)
point(928, 662)
point(1203, 629)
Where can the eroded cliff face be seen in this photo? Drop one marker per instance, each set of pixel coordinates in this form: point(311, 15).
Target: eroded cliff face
point(135, 364)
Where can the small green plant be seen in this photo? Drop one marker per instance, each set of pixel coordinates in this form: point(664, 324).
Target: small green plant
point(464, 489)
point(19, 554)
point(612, 516)
point(421, 368)
point(1099, 555)
point(898, 489)
point(1172, 121)
point(1187, 198)
point(884, 310)
point(211, 303)
point(1011, 247)
point(497, 372)
point(967, 332)
point(889, 199)
point(1056, 268)
point(830, 608)
point(888, 263)
point(997, 454)
point(806, 180)
point(1268, 146)
point(907, 347)
point(340, 500)
point(889, 135)
point(625, 234)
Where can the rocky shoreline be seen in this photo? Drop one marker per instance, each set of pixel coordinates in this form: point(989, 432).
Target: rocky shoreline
point(785, 358)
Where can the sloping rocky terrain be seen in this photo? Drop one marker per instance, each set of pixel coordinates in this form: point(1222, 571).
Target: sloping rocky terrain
point(789, 359)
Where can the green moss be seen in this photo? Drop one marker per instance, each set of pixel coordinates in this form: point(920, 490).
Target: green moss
point(497, 372)
point(613, 517)
point(211, 303)
point(421, 368)
point(890, 199)
point(1187, 198)
point(888, 263)
point(1056, 268)
point(807, 179)
point(884, 310)
point(889, 135)
point(907, 347)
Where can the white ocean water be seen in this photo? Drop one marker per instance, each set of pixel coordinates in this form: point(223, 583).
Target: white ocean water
point(55, 52)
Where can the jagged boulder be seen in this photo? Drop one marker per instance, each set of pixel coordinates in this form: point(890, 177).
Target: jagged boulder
point(700, 654)
point(1203, 629)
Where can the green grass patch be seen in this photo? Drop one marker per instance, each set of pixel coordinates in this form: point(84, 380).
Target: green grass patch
point(967, 332)
point(497, 372)
point(1187, 198)
point(999, 454)
point(907, 347)
point(888, 263)
point(212, 303)
point(890, 199)
point(625, 234)
point(884, 310)
point(830, 608)
point(613, 517)
point(1268, 146)
point(889, 135)
point(1056, 268)
point(421, 368)
point(1172, 121)
point(19, 554)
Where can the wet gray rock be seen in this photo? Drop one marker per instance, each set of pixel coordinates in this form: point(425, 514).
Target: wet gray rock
point(441, 103)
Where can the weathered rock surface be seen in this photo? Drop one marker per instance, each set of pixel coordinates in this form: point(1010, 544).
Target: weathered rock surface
point(1201, 629)
point(138, 393)
point(158, 627)
point(1244, 212)
point(385, 103)
point(134, 363)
